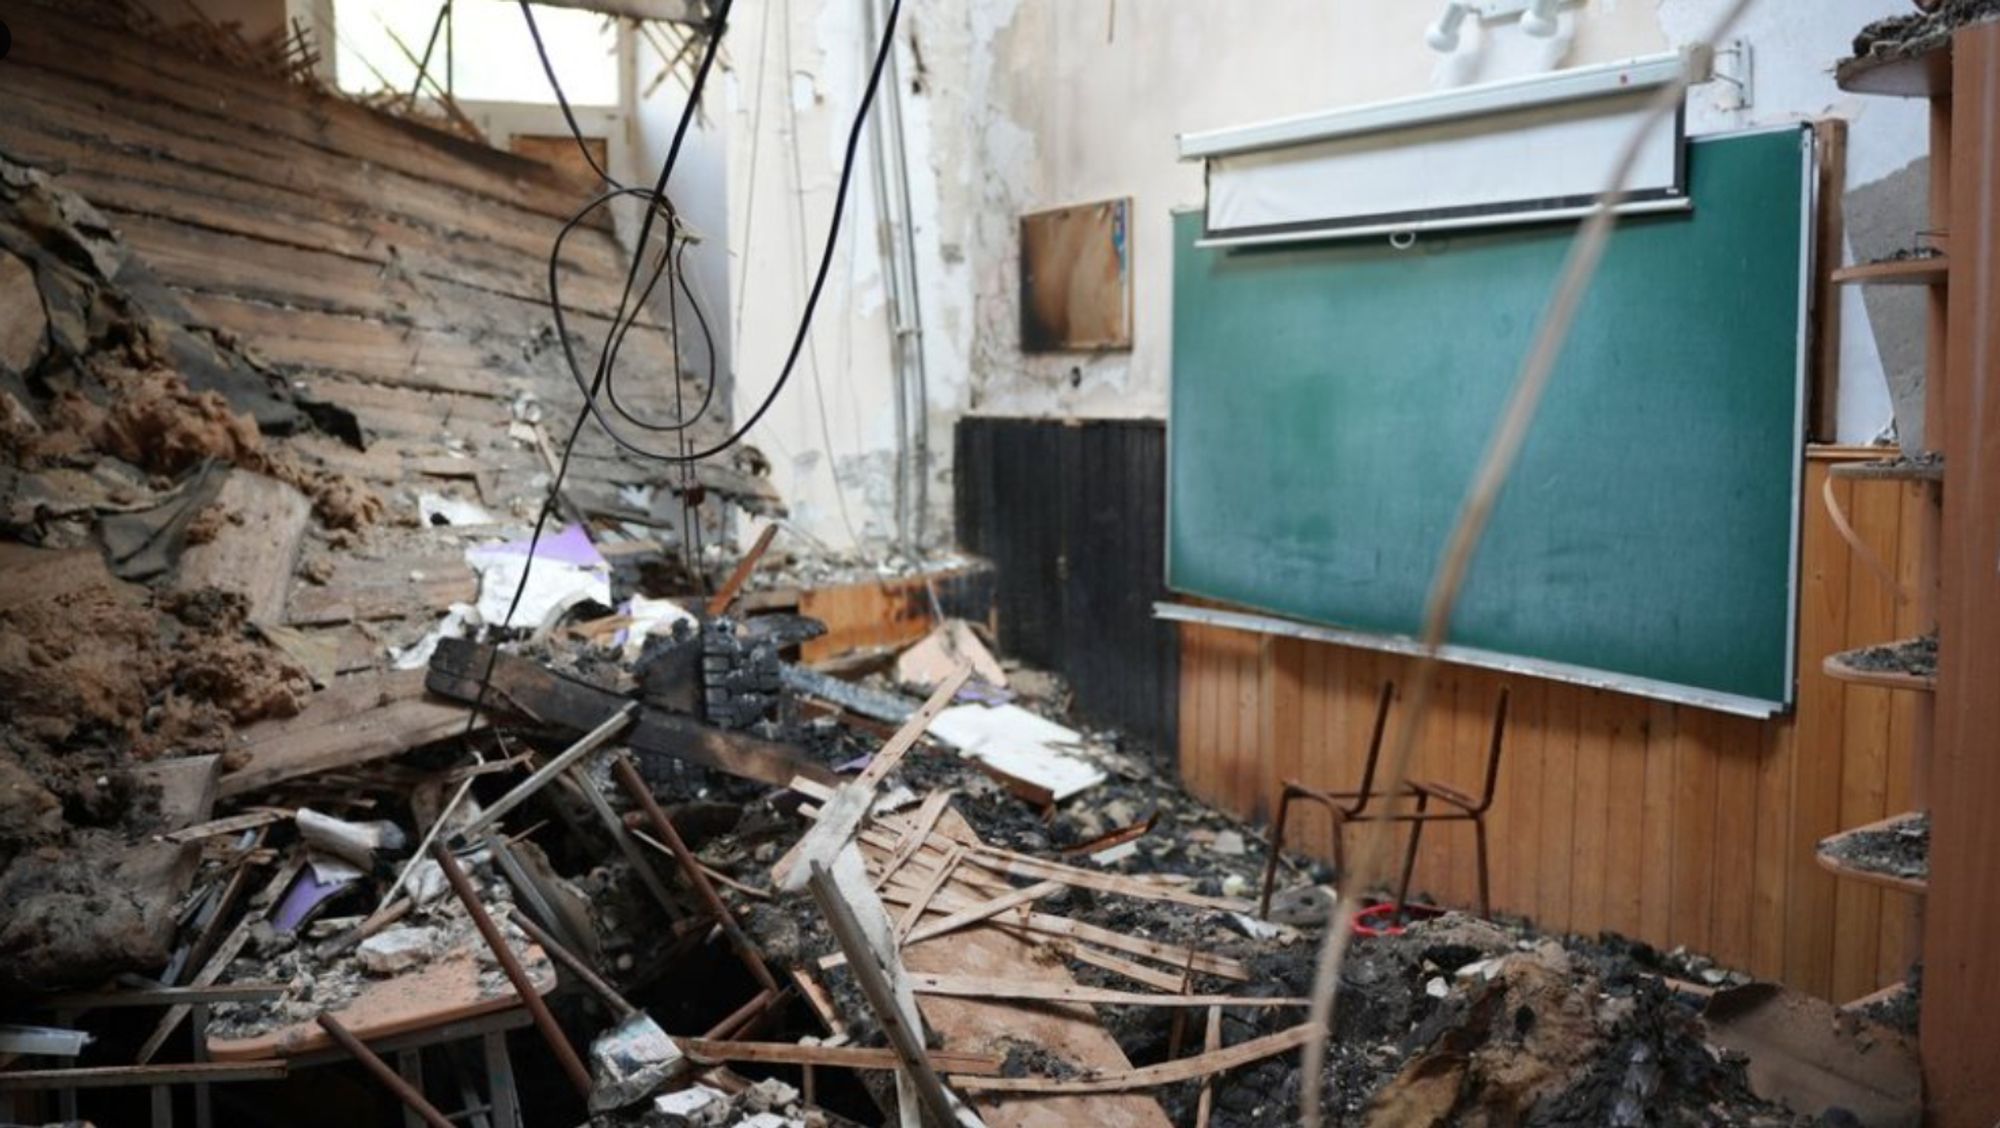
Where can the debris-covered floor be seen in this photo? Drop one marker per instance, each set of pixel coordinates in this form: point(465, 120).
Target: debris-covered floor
point(715, 833)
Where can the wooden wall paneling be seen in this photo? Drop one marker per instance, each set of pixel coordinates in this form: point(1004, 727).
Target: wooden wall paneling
point(1871, 609)
point(1772, 845)
point(1896, 948)
point(1284, 726)
point(1739, 749)
point(1693, 847)
point(151, 75)
point(1307, 825)
point(1558, 824)
point(1656, 858)
point(1590, 840)
point(1820, 731)
point(1521, 850)
point(1625, 818)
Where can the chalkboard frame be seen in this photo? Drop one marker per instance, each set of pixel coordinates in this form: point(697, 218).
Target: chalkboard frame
point(1237, 614)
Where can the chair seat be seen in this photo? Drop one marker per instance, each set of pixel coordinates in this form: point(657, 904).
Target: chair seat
point(1447, 793)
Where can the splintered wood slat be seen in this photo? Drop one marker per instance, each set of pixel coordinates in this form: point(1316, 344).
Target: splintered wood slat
point(254, 548)
point(986, 987)
point(1166, 1073)
point(359, 720)
point(1067, 1030)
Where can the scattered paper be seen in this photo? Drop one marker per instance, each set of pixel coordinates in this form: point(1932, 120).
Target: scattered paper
point(651, 617)
point(567, 570)
point(1019, 744)
point(443, 509)
point(459, 622)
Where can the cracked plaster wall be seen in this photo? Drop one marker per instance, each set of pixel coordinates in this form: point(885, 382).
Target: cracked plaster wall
point(1018, 105)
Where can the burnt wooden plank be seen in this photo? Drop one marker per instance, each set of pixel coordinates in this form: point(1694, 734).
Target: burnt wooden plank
point(523, 687)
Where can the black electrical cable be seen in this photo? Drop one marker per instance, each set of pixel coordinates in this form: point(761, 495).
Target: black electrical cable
point(658, 199)
point(812, 298)
point(548, 68)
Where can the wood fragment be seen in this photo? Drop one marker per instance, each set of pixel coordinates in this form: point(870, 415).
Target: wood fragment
point(213, 828)
point(589, 742)
point(838, 823)
point(115, 1076)
point(726, 594)
point(1152, 1076)
point(922, 901)
point(874, 979)
point(1204, 1105)
point(983, 987)
point(708, 1051)
point(914, 838)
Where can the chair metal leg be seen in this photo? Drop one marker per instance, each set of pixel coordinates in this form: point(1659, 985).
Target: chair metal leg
point(1410, 854)
point(1479, 836)
point(1277, 848)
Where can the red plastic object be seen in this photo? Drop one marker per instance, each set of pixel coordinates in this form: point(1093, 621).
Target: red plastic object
point(1388, 913)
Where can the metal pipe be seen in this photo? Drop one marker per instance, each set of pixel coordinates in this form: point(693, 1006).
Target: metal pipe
point(390, 1079)
point(620, 1006)
point(629, 779)
point(741, 1017)
point(516, 974)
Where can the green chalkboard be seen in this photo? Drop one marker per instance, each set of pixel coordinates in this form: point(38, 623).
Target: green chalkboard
point(1331, 401)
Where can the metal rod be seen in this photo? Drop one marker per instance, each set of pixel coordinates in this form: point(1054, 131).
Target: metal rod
point(620, 1006)
point(741, 1016)
point(390, 1079)
point(746, 949)
point(590, 742)
point(516, 974)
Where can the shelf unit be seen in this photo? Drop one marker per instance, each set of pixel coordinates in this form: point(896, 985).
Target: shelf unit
point(1926, 74)
point(1955, 773)
point(1841, 868)
point(1843, 666)
point(1931, 271)
point(1895, 470)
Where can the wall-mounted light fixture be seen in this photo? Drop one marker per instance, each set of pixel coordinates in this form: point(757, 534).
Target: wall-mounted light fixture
point(1538, 18)
point(1443, 35)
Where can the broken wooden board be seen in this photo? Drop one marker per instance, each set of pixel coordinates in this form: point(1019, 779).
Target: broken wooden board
point(1804, 1052)
point(361, 719)
point(521, 686)
point(255, 545)
point(1069, 1031)
point(891, 613)
point(444, 991)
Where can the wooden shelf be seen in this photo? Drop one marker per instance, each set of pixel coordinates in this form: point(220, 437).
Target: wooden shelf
point(1927, 75)
point(1841, 868)
point(1874, 997)
point(1841, 666)
point(1931, 270)
point(1890, 470)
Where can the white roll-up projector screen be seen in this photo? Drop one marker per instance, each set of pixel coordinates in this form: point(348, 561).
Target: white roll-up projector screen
point(1521, 151)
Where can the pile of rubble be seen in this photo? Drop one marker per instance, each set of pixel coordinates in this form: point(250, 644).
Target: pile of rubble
point(642, 844)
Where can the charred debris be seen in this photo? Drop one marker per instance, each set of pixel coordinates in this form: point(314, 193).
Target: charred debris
point(638, 864)
point(641, 861)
